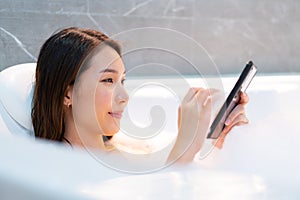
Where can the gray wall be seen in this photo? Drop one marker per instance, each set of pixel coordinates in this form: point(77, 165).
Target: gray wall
point(231, 31)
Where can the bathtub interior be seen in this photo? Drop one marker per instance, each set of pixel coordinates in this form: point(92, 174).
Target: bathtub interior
point(261, 156)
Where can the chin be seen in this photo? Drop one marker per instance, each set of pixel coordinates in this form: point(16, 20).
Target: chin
point(111, 132)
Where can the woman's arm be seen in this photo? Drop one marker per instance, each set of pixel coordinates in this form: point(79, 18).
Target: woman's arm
point(193, 122)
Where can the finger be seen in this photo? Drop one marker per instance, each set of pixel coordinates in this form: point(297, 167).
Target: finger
point(239, 120)
point(219, 143)
point(208, 101)
point(191, 93)
point(202, 97)
point(239, 109)
point(225, 131)
point(213, 91)
point(243, 98)
point(179, 117)
point(205, 101)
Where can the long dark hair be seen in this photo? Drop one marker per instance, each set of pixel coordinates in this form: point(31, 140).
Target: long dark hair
point(59, 61)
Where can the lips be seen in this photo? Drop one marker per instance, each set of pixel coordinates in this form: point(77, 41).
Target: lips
point(117, 115)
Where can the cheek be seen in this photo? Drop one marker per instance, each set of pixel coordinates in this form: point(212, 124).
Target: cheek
point(84, 109)
point(103, 102)
point(103, 105)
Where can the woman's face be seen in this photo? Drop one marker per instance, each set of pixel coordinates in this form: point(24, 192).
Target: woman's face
point(99, 97)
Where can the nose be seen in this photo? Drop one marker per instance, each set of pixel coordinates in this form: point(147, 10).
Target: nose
point(122, 96)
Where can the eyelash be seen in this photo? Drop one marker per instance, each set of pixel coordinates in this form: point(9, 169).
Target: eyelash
point(110, 80)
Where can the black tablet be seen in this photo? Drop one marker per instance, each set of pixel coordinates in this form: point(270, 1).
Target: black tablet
point(232, 100)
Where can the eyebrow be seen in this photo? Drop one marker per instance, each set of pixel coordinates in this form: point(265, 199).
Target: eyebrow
point(110, 71)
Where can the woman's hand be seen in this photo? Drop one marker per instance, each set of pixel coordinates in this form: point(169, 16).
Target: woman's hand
point(193, 122)
point(236, 118)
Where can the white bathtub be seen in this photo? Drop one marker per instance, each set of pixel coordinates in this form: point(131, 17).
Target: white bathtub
point(258, 161)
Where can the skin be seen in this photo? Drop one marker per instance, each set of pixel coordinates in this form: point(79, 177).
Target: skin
point(236, 118)
point(192, 133)
point(98, 99)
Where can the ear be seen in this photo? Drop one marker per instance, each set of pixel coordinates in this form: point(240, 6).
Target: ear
point(68, 96)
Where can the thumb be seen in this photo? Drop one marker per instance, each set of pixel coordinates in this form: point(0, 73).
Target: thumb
point(179, 117)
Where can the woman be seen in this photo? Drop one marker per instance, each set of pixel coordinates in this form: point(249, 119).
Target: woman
point(79, 96)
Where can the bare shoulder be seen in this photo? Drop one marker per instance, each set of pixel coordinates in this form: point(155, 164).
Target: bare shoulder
point(130, 145)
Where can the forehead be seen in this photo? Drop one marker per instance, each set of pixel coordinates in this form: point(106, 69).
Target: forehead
point(105, 57)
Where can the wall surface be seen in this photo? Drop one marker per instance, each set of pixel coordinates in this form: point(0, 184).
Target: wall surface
point(231, 32)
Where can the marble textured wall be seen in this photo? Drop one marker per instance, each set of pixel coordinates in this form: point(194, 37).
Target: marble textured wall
point(231, 31)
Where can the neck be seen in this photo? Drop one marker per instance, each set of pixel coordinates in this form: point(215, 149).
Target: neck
point(83, 138)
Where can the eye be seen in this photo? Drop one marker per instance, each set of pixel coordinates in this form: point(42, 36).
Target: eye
point(122, 81)
point(108, 80)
